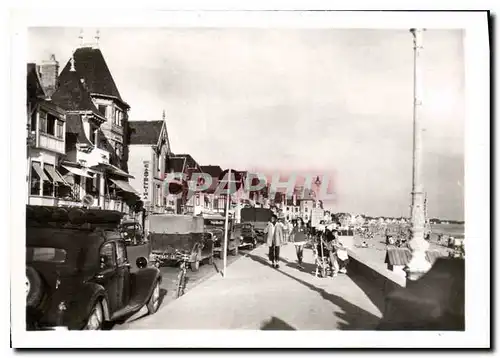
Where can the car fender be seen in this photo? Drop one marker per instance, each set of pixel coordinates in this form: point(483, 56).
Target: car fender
point(79, 308)
point(142, 283)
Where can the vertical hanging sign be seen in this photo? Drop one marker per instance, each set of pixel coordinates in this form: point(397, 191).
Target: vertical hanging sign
point(145, 193)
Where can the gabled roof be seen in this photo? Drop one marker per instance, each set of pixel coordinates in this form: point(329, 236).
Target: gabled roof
point(145, 132)
point(90, 64)
point(176, 165)
point(190, 162)
point(72, 95)
point(34, 87)
point(213, 170)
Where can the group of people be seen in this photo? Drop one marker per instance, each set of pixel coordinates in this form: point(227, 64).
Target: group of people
point(326, 244)
point(280, 233)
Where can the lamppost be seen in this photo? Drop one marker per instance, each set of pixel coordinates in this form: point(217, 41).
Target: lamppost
point(418, 264)
point(317, 182)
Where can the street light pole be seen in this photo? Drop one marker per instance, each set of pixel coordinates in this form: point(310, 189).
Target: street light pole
point(227, 222)
point(418, 264)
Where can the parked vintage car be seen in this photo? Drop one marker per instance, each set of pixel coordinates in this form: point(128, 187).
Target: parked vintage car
point(233, 242)
point(247, 234)
point(77, 271)
point(132, 232)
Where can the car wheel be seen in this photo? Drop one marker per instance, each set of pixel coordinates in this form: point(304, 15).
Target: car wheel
point(96, 318)
point(154, 300)
point(34, 289)
point(195, 266)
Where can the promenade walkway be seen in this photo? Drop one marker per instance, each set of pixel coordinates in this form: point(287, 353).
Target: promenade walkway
point(256, 296)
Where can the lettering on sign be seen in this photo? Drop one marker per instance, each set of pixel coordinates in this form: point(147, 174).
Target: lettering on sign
point(214, 222)
point(145, 194)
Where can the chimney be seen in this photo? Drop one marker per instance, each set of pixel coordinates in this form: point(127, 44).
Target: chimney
point(49, 70)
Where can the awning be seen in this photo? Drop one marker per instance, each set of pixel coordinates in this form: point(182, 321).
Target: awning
point(118, 171)
point(55, 174)
point(112, 169)
point(39, 171)
point(124, 186)
point(77, 171)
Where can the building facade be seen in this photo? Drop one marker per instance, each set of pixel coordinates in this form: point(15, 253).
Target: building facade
point(46, 144)
point(84, 125)
point(149, 149)
point(184, 204)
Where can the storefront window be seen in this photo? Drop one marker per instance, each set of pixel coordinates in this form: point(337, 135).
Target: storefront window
point(51, 124)
point(43, 122)
point(60, 132)
point(48, 186)
point(35, 180)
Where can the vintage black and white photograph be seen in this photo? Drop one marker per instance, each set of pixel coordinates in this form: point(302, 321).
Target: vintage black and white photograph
point(252, 177)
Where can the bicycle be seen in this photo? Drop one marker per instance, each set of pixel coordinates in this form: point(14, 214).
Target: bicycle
point(181, 278)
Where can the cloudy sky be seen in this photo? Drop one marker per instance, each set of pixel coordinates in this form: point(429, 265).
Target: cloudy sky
point(310, 100)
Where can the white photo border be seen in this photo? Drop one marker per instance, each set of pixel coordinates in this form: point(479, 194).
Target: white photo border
point(477, 174)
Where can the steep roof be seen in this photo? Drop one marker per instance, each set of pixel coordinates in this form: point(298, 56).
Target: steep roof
point(72, 95)
point(145, 132)
point(176, 165)
point(90, 64)
point(213, 170)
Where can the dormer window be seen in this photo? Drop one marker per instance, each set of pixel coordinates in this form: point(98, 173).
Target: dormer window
point(118, 118)
point(93, 135)
point(102, 109)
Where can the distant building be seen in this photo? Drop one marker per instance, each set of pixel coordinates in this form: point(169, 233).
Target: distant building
point(184, 163)
point(215, 203)
point(149, 149)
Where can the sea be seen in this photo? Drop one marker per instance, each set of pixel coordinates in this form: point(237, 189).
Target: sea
point(455, 230)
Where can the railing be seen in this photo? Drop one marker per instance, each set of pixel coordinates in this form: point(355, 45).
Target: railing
point(47, 141)
point(95, 157)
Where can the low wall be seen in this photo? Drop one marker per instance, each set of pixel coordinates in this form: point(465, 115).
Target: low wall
point(374, 279)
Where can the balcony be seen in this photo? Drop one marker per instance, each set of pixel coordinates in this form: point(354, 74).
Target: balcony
point(92, 156)
point(50, 142)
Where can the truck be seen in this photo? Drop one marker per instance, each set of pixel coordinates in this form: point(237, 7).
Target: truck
point(214, 224)
point(172, 237)
point(258, 218)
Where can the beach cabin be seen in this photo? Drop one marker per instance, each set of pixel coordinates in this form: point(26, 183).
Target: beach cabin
point(397, 258)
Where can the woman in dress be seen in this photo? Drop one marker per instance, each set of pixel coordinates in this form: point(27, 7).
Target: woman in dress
point(299, 239)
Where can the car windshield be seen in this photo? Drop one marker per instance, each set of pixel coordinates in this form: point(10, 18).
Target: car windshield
point(45, 254)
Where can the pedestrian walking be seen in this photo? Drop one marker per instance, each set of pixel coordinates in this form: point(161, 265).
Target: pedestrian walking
point(274, 231)
point(269, 232)
point(299, 239)
point(278, 240)
point(332, 245)
point(286, 232)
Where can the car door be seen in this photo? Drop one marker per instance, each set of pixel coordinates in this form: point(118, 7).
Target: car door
point(107, 275)
point(123, 275)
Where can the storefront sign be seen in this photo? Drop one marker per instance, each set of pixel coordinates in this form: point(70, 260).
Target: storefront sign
point(145, 194)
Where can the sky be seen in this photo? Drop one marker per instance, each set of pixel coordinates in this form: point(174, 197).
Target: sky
point(333, 102)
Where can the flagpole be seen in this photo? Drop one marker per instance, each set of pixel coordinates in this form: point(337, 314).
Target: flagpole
point(227, 222)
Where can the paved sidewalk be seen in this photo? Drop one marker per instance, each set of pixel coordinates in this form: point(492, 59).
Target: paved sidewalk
point(256, 296)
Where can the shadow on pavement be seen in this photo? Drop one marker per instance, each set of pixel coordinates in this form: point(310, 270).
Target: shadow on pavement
point(276, 324)
point(352, 317)
point(374, 292)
